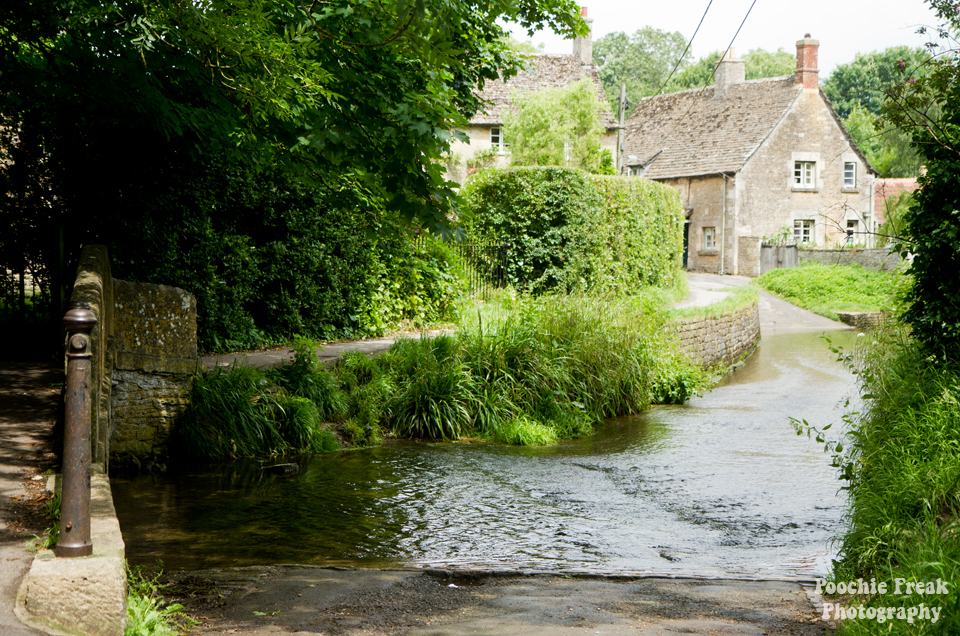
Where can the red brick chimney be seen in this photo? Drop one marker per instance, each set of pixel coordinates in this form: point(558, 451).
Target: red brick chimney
point(807, 62)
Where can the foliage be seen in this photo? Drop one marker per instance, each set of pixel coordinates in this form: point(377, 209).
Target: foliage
point(532, 372)
point(643, 60)
point(887, 148)
point(147, 613)
point(928, 108)
point(783, 236)
point(568, 230)
point(556, 127)
point(865, 81)
point(903, 463)
point(237, 412)
point(894, 213)
point(758, 64)
point(166, 129)
point(827, 289)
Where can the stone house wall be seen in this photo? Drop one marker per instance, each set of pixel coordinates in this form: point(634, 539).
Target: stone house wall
point(702, 198)
point(720, 341)
point(767, 198)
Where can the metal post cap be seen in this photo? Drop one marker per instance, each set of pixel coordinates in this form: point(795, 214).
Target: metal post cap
point(79, 319)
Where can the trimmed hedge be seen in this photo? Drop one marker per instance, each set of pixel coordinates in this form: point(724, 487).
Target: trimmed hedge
point(571, 230)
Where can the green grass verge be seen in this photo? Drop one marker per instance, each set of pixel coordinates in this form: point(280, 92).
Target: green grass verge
point(739, 298)
point(520, 370)
point(827, 289)
point(903, 463)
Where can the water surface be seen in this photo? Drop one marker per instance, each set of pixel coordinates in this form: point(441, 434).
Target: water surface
point(721, 485)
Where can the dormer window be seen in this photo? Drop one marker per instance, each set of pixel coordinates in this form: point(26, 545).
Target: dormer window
point(497, 142)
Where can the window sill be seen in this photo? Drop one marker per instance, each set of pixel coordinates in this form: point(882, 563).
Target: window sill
point(850, 190)
point(708, 252)
point(796, 189)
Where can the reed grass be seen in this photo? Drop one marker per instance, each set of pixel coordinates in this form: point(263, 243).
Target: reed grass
point(903, 458)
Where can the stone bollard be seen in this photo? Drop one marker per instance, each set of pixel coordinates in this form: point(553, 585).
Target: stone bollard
point(74, 538)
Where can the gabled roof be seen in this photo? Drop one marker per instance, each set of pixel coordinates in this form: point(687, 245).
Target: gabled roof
point(690, 133)
point(543, 72)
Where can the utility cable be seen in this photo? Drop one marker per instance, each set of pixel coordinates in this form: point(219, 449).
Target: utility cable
point(677, 65)
point(712, 76)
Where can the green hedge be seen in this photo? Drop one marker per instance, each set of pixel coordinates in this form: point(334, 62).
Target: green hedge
point(571, 230)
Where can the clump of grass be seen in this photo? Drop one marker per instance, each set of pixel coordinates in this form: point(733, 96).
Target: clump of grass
point(827, 289)
point(147, 612)
point(903, 462)
point(528, 371)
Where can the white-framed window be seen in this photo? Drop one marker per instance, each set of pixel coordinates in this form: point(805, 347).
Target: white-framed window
point(497, 142)
point(849, 175)
point(804, 174)
point(803, 231)
point(709, 238)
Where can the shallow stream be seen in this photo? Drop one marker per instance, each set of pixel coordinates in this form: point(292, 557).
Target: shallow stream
point(719, 486)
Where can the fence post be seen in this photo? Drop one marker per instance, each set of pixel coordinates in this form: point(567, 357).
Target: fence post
point(75, 488)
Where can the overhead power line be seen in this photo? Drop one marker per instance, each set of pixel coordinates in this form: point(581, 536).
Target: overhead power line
point(677, 65)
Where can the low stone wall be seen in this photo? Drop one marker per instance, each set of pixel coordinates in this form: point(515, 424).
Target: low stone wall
point(720, 341)
point(862, 320)
point(94, 286)
point(156, 353)
point(878, 259)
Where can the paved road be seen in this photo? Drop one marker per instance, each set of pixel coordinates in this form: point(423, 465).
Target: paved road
point(28, 401)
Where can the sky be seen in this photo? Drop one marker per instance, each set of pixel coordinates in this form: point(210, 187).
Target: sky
point(843, 27)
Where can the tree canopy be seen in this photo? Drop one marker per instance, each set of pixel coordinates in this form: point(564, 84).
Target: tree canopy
point(557, 127)
point(928, 109)
point(643, 60)
point(758, 63)
point(866, 80)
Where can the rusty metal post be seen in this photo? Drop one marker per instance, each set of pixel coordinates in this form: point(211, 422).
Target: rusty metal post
point(75, 489)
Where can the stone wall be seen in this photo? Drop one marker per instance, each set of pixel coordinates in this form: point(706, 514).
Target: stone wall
point(748, 263)
point(878, 259)
point(144, 352)
point(94, 286)
point(156, 353)
point(720, 341)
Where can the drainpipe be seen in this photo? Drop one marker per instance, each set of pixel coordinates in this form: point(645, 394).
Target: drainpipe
point(723, 227)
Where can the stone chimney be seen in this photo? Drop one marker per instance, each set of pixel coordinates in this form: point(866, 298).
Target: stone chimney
point(730, 71)
point(583, 47)
point(807, 73)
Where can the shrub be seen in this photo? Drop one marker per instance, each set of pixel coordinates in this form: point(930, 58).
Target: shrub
point(568, 230)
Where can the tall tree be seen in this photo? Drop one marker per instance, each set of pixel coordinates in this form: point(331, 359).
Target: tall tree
point(887, 148)
point(758, 64)
point(928, 108)
point(869, 76)
point(642, 60)
point(114, 110)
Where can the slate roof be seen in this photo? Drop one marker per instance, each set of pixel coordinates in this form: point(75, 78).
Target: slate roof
point(689, 133)
point(544, 71)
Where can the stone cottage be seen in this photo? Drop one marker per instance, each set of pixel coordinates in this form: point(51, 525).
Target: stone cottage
point(754, 159)
point(543, 71)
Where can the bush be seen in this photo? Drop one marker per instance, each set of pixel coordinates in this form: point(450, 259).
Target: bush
point(568, 230)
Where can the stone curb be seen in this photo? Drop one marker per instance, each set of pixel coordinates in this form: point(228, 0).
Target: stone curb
point(88, 594)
